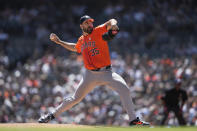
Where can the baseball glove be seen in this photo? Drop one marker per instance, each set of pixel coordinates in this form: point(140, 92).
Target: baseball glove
point(108, 36)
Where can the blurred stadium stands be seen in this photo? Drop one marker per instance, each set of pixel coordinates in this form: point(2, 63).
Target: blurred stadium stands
point(157, 42)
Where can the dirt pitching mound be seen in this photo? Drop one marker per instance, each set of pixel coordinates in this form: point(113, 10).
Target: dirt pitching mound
point(37, 125)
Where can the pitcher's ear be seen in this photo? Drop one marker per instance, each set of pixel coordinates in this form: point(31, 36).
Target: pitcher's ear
point(80, 26)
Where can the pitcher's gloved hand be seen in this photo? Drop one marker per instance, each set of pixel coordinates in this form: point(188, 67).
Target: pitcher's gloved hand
point(108, 36)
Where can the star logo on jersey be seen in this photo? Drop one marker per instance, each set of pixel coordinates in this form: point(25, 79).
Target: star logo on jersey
point(89, 38)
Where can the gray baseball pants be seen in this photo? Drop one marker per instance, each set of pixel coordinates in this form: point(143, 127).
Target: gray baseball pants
point(90, 80)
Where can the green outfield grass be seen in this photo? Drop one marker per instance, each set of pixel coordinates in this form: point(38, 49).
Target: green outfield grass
point(69, 127)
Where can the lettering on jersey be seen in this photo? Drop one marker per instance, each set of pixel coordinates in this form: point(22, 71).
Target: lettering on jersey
point(87, 44)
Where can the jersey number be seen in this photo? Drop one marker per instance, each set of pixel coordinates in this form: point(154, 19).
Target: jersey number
point(94, 51)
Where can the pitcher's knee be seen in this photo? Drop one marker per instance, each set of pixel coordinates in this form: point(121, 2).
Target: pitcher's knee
point(124, 90)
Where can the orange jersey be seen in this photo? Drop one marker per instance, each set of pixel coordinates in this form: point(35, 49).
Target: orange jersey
point(94, 49)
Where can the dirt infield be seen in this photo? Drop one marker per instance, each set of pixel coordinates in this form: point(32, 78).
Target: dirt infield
point(37, 125)
point(75, 127)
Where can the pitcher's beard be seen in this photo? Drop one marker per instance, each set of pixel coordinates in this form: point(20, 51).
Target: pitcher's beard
point(88, 30)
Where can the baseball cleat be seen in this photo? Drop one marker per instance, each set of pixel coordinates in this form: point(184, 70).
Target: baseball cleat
point(46, 118)
point(138, 122)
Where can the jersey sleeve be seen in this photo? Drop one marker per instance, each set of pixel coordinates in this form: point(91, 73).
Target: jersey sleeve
point(78, 46)
point(102, 28)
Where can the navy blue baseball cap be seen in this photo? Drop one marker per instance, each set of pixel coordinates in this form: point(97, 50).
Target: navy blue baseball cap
point(84, 18)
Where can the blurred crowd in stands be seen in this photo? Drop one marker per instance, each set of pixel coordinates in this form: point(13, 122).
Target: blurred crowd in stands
point(157, 43)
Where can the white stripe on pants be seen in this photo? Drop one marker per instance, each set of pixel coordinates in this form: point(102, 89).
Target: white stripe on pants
point(90, 80)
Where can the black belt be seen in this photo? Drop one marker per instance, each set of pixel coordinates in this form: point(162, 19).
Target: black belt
point(106, 67)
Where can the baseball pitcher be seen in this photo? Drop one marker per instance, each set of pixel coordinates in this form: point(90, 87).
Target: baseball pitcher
point(96, 57)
